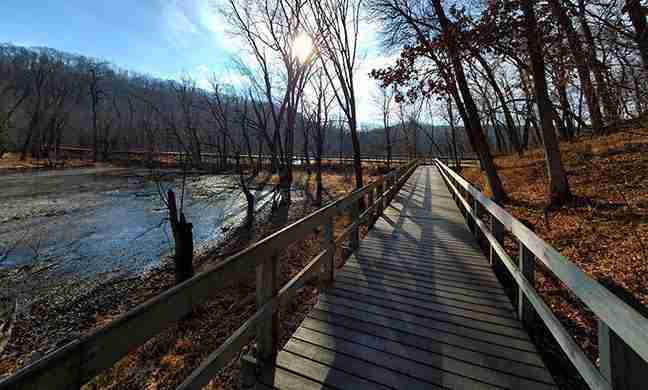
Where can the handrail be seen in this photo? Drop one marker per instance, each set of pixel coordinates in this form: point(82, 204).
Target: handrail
point(219, 358)
point(626, 322)
point(82, 359)
point(365, 157)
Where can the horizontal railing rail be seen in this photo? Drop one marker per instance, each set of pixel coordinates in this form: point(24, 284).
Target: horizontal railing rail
point(262, 324)
point(629, 340)
point(81, 360)
point(298, 156)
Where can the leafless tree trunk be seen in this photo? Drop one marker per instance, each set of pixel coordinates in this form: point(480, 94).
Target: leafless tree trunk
point(637, 14)
point(385, 101)
point(580, 58)
point(96, 93)
point(270, 29)
point(183, 238)
point(510, 124)
point(558, 184)
point(337, 22)
point(473, 125)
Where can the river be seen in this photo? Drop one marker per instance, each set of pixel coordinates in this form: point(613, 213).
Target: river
point(94, 224)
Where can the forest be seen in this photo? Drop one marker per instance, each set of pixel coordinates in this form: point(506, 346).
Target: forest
point(509, 74)
point(550, 96)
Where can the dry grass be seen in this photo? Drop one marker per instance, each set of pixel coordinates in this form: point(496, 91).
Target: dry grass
point(604, 230)
point(11, 162)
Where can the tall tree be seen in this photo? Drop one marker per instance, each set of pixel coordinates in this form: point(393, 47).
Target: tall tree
point(338, 25)
point(432, 32)
point(273, 31)
point(558, 185)
point(637, 14)
point(580, 58)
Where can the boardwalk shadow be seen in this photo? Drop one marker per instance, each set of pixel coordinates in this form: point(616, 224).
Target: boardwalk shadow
point(417, 306)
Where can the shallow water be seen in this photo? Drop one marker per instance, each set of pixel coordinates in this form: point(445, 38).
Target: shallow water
point(105, 222)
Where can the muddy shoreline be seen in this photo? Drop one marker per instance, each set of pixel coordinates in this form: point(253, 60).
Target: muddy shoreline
point(62, 316)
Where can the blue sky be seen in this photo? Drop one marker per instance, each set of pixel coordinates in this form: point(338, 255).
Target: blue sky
point(163, 38)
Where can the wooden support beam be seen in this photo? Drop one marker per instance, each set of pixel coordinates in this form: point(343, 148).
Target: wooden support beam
point(267, 273)
point(381, 207)
point(497, 229)
point(619, 364)
point(526, 264)
point(355, 234)
point(329, 260)
point(371, 218)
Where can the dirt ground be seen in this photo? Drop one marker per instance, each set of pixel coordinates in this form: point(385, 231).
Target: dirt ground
point(164, 361)
point(11, 162)
point(604, 229)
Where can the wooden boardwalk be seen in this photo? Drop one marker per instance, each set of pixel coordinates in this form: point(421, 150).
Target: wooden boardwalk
point(416, 307)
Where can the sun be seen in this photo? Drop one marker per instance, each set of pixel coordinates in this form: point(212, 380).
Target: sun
point(302, 47)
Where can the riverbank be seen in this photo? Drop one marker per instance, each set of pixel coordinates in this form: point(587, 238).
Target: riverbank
point(11, 162)
point(170, 356)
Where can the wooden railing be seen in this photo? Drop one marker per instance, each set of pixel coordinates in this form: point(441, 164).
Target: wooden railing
point(623, 332)
point(469, 159)
point(81, 360)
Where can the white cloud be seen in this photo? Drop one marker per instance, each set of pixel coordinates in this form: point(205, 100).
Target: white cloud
point(187, 20)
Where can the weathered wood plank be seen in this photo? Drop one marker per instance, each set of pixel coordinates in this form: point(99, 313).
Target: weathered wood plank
point(429, 317)
point(429, 283)
point(433, 368)
point(279, 378)
point(445, 356)
point(383, 316)
point(456, 299)
point(340, 358)
point(412, 335)
point(323, 373)
point(425, 308)
point(425, 289)
point(411, 298)
point(417, 306)
point(437, 278)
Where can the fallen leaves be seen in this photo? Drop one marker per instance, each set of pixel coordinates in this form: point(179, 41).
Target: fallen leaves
point(604, 230)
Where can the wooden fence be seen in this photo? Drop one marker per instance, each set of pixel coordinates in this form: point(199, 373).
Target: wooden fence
point(332, 157)
point(623, 331)
point(81, 360)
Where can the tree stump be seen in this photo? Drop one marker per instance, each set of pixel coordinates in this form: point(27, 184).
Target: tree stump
point(183, 238)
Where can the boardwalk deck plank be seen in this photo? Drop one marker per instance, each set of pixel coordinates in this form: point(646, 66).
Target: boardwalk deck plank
point(417, 306)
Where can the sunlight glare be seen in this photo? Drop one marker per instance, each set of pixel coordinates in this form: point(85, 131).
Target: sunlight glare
point(302, 47)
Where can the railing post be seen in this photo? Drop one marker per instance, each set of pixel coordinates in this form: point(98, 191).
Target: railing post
point(478, 213)
point(381, 204)
point(329, 243)
point(468, 216)
point(266, 288)
point(372, 213)
point(497, 229)
point(619, 364)
point(248, 377)
point(527, 268)
point(355, 234)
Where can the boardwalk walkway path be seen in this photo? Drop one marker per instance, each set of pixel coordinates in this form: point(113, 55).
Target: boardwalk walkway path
point(416, 307)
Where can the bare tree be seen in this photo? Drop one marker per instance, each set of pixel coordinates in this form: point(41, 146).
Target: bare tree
point(385, 99)
point(96, 73)
point(637, 13)
point(319, 117)
point(558, 184)
point(271, 29)
point(338, 24)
